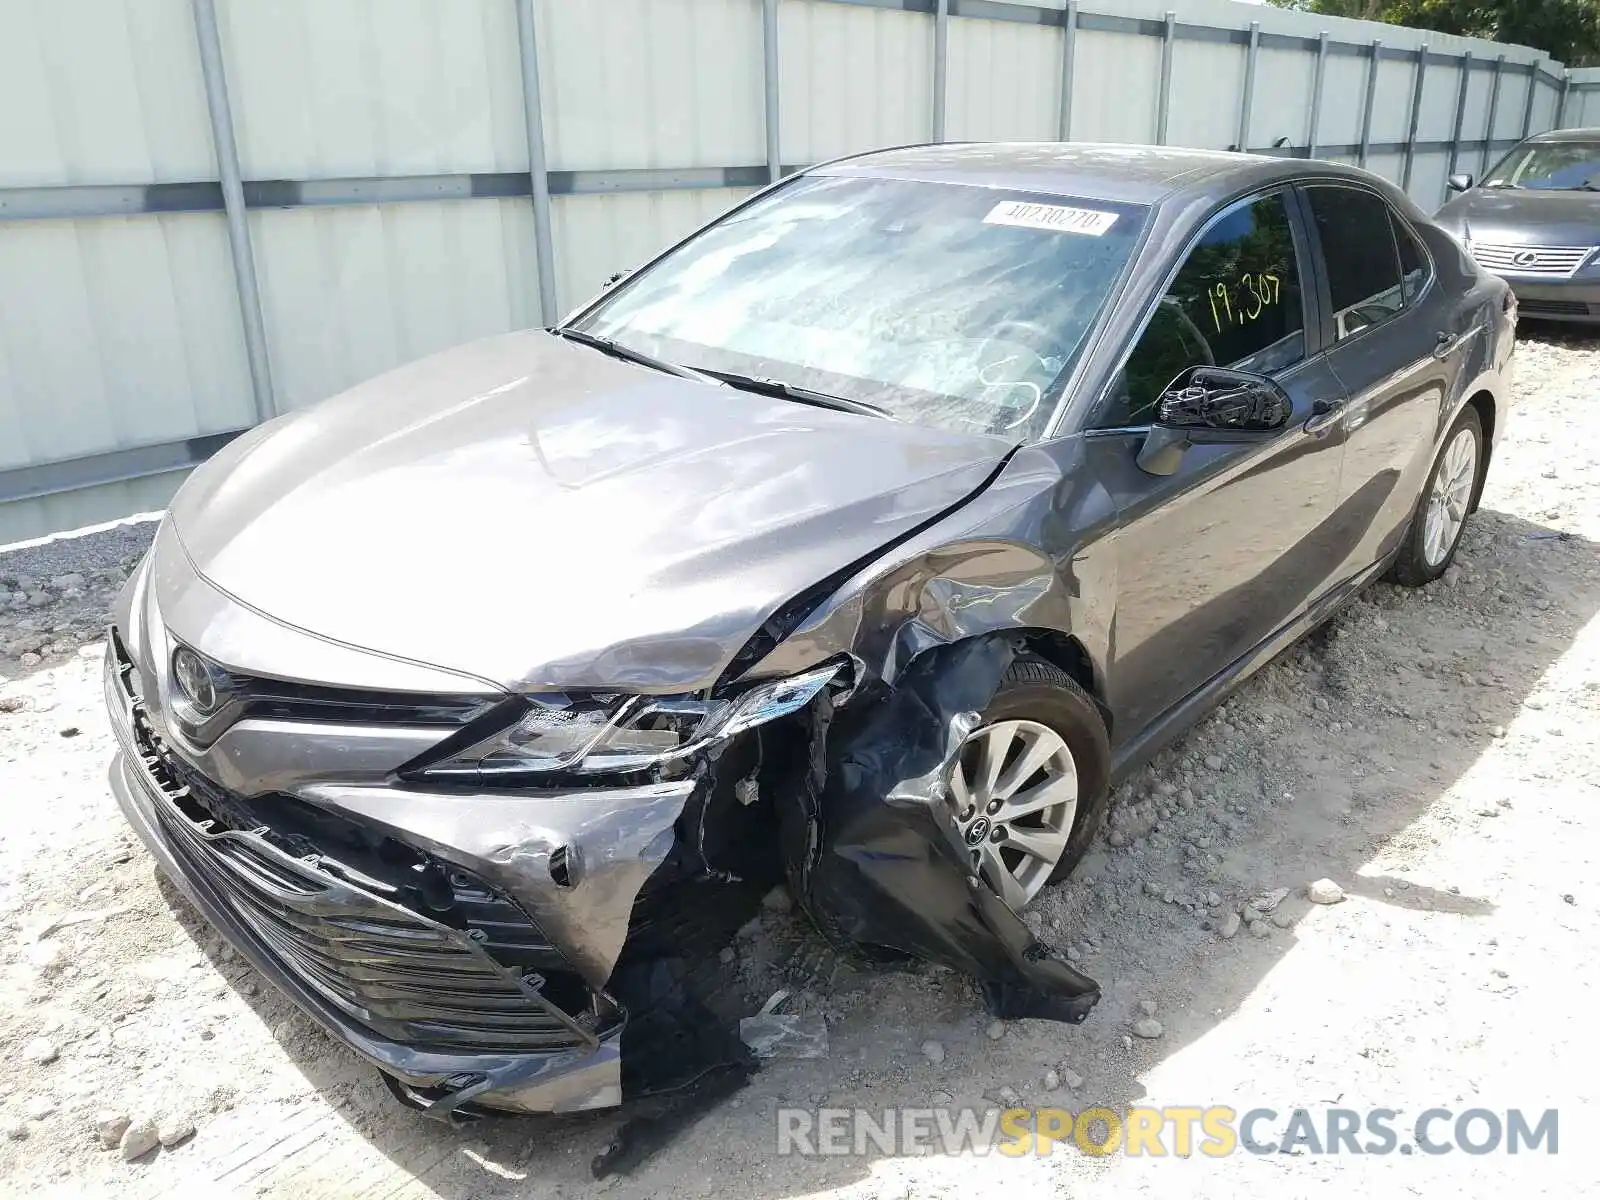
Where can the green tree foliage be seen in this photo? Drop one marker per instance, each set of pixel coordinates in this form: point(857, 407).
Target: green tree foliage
point(1567, 30)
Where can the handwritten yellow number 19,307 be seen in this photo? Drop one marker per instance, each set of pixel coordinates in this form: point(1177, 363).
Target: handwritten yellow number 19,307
point(1262, 291)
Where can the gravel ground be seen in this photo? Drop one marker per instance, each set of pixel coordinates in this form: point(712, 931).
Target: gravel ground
point(1434, 754)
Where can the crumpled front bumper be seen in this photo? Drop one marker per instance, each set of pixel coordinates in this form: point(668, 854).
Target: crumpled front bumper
point(201, 863)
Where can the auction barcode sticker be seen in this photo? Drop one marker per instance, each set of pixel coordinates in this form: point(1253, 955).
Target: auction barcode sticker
point(1055, 217)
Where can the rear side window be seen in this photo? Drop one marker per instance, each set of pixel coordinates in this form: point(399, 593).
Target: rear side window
point(1363, 263)
point(1414, 266)
point(1235, 302)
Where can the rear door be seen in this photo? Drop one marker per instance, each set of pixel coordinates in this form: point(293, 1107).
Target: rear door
point(1216, 556)
point(1385, 321)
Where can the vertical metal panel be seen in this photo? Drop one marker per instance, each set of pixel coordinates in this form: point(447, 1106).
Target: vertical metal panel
point(339, 88)
point(117, 332)
point(244, 269)
point(1281, 76)
point(1494, 112)
point(1374, 62)
point(1069, 49)
point(1561, 104)
point(538, 175)
point(1461, 112)
point(1527, 102)
point(1206, 76)
point(656, 83)
point(941, 66)
point(1247, 97)
point(605, 234)
point(105, 94)
point(853, 79)
point(1164, 100)
point(1118, 75)
point(1001, 83)
point(1317, 75)
point(350, 292)
point(1418, 85)
point(769, 82)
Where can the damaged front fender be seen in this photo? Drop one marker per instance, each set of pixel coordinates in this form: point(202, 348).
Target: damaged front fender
point(872, 849)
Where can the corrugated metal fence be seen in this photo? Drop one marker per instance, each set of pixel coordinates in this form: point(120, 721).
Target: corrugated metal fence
point(215, 210)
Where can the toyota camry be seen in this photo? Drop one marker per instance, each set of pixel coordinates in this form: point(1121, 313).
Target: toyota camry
point(857, 544)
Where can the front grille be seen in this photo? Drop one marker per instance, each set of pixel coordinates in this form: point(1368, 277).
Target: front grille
point(1547, 262)
point(1554, 308)
point(406, 977)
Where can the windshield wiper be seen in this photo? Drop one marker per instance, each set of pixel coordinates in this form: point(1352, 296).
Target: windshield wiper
point(627, 353)
point(1497, 184)
point(788, 391)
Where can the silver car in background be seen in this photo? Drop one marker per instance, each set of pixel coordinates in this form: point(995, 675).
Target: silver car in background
point(1534, 220)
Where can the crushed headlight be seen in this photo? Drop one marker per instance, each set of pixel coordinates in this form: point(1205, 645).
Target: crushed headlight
point(602, 734)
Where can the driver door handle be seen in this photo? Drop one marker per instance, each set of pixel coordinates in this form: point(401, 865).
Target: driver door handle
point(1325, 415)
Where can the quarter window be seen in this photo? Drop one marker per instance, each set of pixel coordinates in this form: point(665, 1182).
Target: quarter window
point(1358, 246)
point(1414, 267)
point(1235, 302)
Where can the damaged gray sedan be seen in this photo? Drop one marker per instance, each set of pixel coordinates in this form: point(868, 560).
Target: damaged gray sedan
point(857, 543)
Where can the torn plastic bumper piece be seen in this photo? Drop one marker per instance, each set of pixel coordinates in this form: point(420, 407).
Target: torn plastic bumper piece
point(872, 847)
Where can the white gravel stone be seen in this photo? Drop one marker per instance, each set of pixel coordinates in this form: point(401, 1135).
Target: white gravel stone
point(109, 1126)
point(39, 1107)
point(1052, 1080)
point(40, 1050)
point(138, 1140)
point(1147, 1027)
point(997, 1030)
point(1324, 891)
point(174, 1131)
point(1214, 762)
point(1230, 925)
point(933, 1051)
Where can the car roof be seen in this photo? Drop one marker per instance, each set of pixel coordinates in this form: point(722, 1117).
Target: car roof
point(1567, 135)
point(1126, 173)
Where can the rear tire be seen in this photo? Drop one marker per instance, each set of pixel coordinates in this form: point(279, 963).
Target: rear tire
point(1440, 517)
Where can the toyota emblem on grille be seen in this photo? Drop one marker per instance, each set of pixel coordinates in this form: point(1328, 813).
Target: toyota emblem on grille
point(1526, 258)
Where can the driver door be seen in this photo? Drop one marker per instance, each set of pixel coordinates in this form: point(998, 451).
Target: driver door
point(1215, 557)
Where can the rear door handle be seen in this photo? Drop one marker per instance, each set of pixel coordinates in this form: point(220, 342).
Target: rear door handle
point(1324, 415)
point(1447, 343)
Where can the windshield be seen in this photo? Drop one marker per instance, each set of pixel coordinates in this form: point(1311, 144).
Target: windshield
point(1549, 166)
point(946, 305)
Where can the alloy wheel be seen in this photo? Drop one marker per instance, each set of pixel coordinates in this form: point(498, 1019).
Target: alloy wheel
point(1449, 496)
point(1015, 792)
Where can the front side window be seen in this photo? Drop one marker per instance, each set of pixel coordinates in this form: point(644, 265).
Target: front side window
point(948, 305)
point(1549, 166)
point(1358, 248)
point(1235, 302)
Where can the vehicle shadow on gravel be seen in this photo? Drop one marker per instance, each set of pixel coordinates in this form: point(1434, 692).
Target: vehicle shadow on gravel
point(1329, 757)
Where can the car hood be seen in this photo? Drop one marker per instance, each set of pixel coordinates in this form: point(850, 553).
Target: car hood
point(538, 515)
point(1525, 217)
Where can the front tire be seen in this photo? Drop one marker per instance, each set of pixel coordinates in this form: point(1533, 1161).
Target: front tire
point(1441, 514)
point(1031, 786)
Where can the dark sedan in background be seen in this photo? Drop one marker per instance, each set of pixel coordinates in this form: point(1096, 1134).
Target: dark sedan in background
point(1534, 220)
point(859, 541)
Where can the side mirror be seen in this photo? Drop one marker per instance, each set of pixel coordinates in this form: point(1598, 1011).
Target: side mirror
point(1459, 183)
point(1207, 405)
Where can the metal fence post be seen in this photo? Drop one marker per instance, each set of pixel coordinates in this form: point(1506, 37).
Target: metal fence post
point(941, 62)
point(1461, 114)
point(1561, 103)
point(1164, 99)
point(769, 62)
point(1315, 117)
point(1376, 53)
point(1534, 76)
point(1494, 109)
point(1416, 116)
point(1069, 50)
point(538, 175)
point(1248, 95)
point(244, 264)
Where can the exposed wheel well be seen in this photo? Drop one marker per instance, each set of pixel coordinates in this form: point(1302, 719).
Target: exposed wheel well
point(1483, 403)
point(1066, 652)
